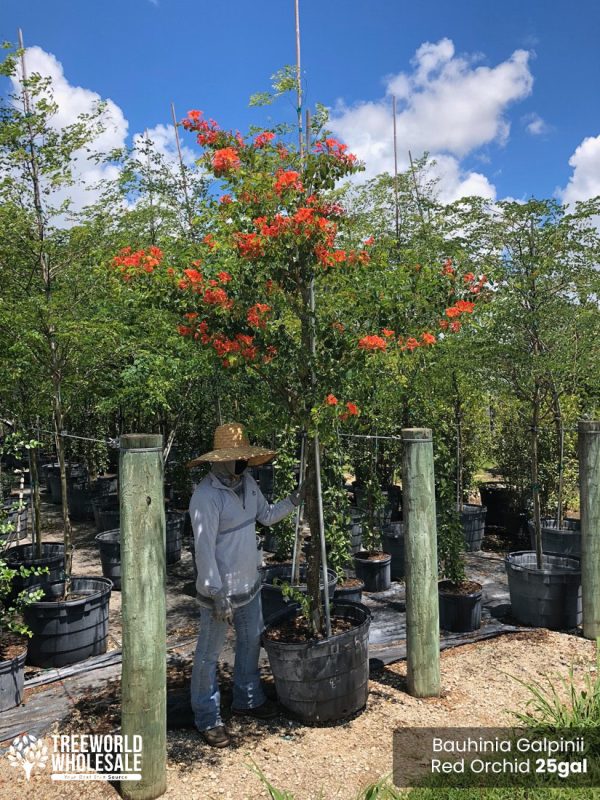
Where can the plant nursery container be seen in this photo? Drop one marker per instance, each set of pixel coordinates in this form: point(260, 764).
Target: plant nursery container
point(355, 529)
point(174, 536)
point(12, 678)
point(549, 597)
point(459, 611)
point(472, 518)
point(392, 536)
point(272, 597)
point(107, 513)
point(502, 504)
point(375, 572)
point(351, 590)
point(52, 556)
point(322, 680)
point(68, 631)
point(109, 545)
point(565, 541)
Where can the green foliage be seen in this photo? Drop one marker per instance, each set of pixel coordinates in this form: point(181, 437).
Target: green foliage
point(290, 592)
point(12, 608)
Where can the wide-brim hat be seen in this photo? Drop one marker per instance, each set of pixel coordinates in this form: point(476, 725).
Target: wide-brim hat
point(231, 443)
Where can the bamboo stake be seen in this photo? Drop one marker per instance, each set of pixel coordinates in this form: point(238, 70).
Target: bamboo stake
point(143, 557)
point(589, 486)
point(182, 170)
point(396, 200)
point(420, 542)
point(299, 81)
point(417, 193)
point(295, 554)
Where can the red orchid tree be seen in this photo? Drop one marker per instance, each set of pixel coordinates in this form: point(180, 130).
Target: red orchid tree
point(276, 240)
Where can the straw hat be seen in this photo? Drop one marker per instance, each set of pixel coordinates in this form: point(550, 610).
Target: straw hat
point(230, 444)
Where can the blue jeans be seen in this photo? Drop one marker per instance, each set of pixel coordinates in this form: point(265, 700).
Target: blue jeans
point(247, 691)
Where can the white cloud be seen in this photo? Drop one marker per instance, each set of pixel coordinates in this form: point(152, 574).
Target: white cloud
point(447, 106)
point(584, 183)
point(535, 125)
point(165, 144)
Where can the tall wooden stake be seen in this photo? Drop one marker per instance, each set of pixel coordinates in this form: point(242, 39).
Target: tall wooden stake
point(144, 673)
point(589, 487)
point(182, 170)
point(299, 80)
point(420, 543)
point(396, 201)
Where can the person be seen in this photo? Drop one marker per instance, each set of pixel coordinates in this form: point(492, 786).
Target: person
point(224, 508)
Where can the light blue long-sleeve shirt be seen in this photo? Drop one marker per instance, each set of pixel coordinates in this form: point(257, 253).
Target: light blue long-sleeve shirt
point(224, 524)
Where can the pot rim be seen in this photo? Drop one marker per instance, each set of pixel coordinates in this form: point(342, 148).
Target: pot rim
point(316, 642)
point(545, 570)
point(453, 594)
point(373, 560)
point(108, 586)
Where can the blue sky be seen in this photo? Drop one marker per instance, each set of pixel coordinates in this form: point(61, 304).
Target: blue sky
point(504, 94)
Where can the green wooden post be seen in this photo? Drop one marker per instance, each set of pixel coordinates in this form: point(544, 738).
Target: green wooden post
point(420, 558)
point(144, 673)
point(589, 490)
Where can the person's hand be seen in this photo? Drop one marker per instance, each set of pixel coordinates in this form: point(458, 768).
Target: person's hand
point(298, 495)
point(222, 610)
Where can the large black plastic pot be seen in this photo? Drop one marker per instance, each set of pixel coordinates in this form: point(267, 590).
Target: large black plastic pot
point(393, 543)
point(459, 613)
point(565, 541)
point(16, 518)
point(109, 545)
point(81, 496)
point(12, 678)
point(473, 523)
point(549, 597)
point(323, 680)
point(106, 512)
point(52, 556)
point(376, 574)
point(68, 631)
point(174, 536)
point(272, 597)
point(502, 504)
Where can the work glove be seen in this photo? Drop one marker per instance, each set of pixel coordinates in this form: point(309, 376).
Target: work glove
point(222, 609)
point(297, 496)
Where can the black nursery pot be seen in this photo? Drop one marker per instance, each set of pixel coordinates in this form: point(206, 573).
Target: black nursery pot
point(327, 679)
point(109, 545)
point(69, 631)
point(352, 594)
point(459, 613)
point(24, 555)
point(376, 574)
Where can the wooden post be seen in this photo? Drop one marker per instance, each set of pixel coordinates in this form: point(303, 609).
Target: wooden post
point(144, 672)
point(420, 558)
point(589, 489)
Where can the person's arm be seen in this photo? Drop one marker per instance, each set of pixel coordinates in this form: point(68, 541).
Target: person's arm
point(268, 514)
point(204, 515)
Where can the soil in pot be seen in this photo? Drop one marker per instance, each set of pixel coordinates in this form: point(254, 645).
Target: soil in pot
point(460, 606)
point(373, 567)
point(351, 589)
point(65, 632)
point(321, 680)
point(13, 650)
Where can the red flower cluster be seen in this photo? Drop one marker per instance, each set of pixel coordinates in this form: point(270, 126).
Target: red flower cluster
point(448, 269)
point(372, 343)
point(225, 160)
point(257, 315)
point(263, 139)
point(209, 240)
point(460, 307)
point(208, 132)
point(133, 263)
point(225, 200)
point(336, 149)
point(351, 411)
point(286, 180)
point(331, 400)
point(249, 245)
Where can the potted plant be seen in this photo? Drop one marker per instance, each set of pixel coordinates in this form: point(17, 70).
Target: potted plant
point(349, 588)
point(460, 599)
point(13, 633)
point(371, 564)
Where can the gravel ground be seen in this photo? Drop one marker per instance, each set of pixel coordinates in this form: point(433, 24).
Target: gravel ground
point(333, 763)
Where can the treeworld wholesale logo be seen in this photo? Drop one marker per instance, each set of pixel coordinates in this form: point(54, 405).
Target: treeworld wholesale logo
point(75, 757)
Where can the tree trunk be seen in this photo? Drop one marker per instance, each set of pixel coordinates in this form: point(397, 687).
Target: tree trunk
point(535, 487)
point(458, 417)
point(35, 494)
point(560, 437)
point(60, 452)
point(313, 577)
